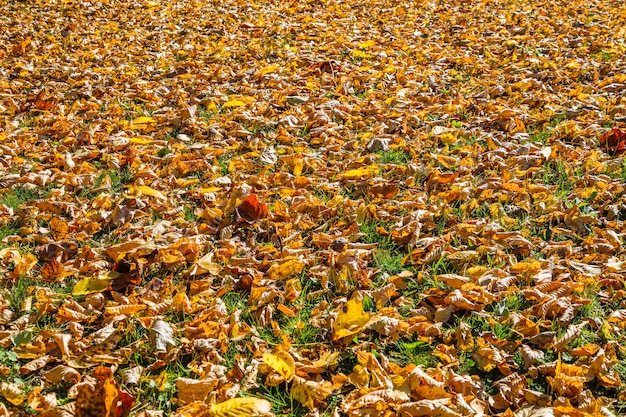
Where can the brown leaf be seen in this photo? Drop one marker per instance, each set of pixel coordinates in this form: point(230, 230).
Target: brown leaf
point(252, 209)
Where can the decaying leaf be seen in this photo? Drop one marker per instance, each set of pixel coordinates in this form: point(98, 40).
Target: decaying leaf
point(162, 335)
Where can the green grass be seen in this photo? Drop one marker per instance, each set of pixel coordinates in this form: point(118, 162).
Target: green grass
point(189, 214)
point(22, 195)
point(9, 229)
point(301, 332)
point(555, 173)
point(162, 152)
point(223, 162)
point(415, 352)
point(118, 179)
point(283, 403)
point(235, 301)
point(542, 135)
point(397, 157)
point(323, 195)
point(10, 363)
point(501, 329)
point(594, 308)
point(332, 402)
point(441, 266)
point(388, 261)
point(510, 303)
point(18, 292)
point(371, 235)
point(158, 388)
point(467, 365)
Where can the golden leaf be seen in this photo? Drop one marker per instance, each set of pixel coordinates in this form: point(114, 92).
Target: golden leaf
point(145, 190)
point(367, 44)
point(365, 172)
point(268, 70)
point(282, 362)
point(25, 264)
point(125, 309)
point(190, 390)
point(59, 225)
point(91, 285)
point(464, 339)
point(242, 407)
point(286, 269)
point(144, 120)
point(62, 373)
point(308, 392)
point(351, 318)
point(141, 140)
point(234, 103)
point(12, 392)
point(427, 407)
point(487, 358)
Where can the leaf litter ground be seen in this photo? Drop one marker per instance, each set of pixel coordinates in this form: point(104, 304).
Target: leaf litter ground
point(312, 208)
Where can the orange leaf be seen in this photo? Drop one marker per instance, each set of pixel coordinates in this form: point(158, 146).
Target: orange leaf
point(252, 209)
point(613, 141)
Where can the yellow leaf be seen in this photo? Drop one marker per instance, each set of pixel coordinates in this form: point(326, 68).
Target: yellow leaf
point(141, 140)
point(282, 362)
point(234, 103)
point(25, 264)
point(190, 390)
point(487, 358)
point(464, 339)
point(365, 172)
point(298, 165)
point(360, 54)
point(367, 44)
point(351, 318)
point(62, 373)
point(182, 183)
point(286, 269)
point(207, 190)
point(242, 407)
point(306, 392)
point(91, 285)
point(127, 309)
point(476, 271)
point(530, 267)
point(144, 189)
point(144, 120)
point(12, 393)
point(269, 69)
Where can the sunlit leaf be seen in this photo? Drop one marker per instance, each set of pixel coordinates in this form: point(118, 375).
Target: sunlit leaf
point(12, 392)
point(282, 362)
point(351, 318)
point(242, 407)
point(92, 285)
point(234, 103)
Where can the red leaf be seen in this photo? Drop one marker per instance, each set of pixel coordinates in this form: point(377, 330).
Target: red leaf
point(613, 141)
point(125, 403)
point(252, 209)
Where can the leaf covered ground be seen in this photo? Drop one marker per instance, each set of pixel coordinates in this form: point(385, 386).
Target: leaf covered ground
point(312, 208)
